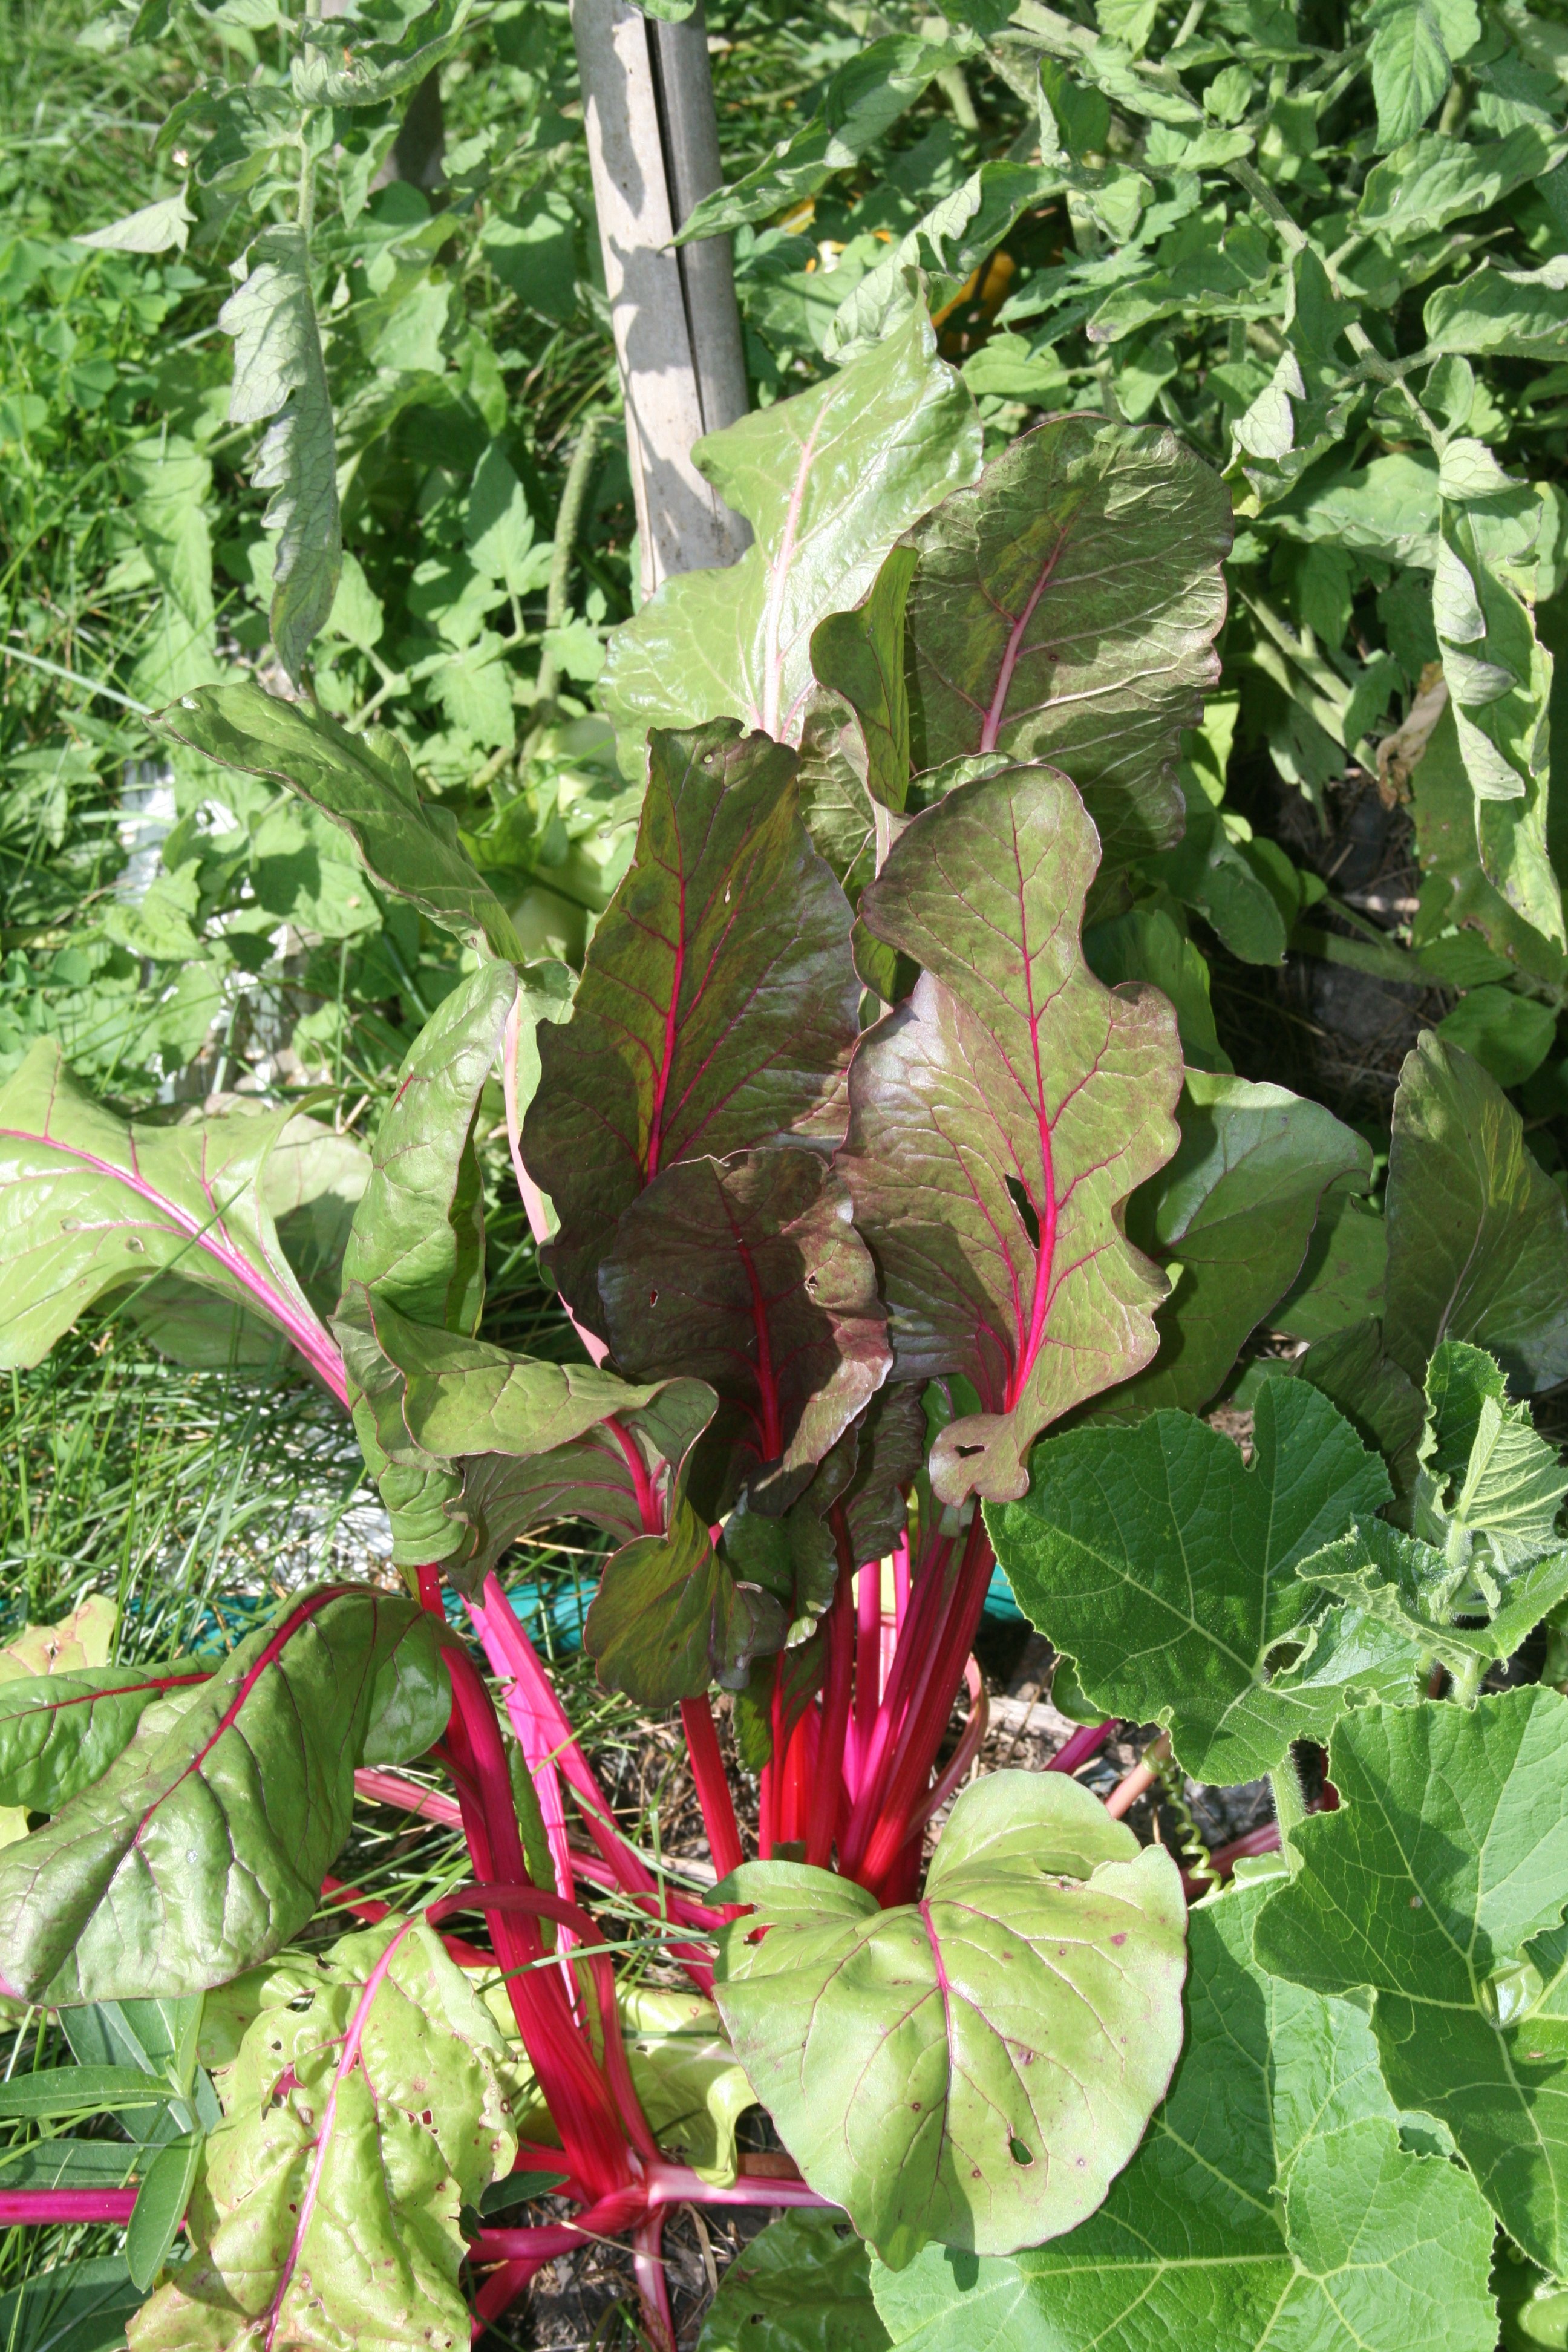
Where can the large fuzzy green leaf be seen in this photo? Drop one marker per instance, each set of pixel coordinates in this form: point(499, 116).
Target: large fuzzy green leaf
point(1064, 609)
point(279, 372)
point(975, 2068)
point(748, 1274)
point(827, 481)
point(366, 785)
point(1234, 1208)
point(804, 2284)
point(202, 1849)
point(718, 1003)
point(1446, 1867)
point(91, 1203)
point(367, 2105)
point(999, 1120)
point(1398, 1582)
point(1270, 2205)
point(1478, 1233)
point(1166, 1567)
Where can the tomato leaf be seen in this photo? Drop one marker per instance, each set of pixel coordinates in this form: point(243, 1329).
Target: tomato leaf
point(1000, 1118)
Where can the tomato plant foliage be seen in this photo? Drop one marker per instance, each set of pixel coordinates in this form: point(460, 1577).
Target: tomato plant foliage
point(907, 1221)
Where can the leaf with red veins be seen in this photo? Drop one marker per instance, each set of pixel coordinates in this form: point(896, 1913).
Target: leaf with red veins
point(748, 1274)
point(999, 1120)
point(91, 1203)
point(1064, 609)
point(718, 1005)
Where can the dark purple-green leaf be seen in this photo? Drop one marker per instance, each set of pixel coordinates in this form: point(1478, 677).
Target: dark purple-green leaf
point(1000, 1118)
point(718, 1004)
point(669, 1618)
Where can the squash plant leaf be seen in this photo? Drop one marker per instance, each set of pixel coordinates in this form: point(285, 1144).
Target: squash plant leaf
point(1234, 1208)
point(669, 1618)
point(366, 785)
point(976, 2067)
point(91, 1203)
point(1477, 1233)
point(827, 480)
point(1166, 1567)
point(1484, 1472)
point(368, 2103)
point(718, 1003)
point(804, 2284)
point(747, 1273)
point(1443, 1612)
point(201, 1848)
point(1270, 2203)
point(279, 373)
point(999, 1120)
point(1440, 1885)
point(1065, 608)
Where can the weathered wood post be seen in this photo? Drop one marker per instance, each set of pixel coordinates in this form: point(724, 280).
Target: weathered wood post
point(653, 142)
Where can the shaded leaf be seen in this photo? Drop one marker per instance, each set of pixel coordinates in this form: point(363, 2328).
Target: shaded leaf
point(669, 1618)
point(91, 1202)
point(72, 2307)
point(803, 2284)
point(976, 2068)
point(827, 481)
point(1382, 1403)
point(279, 372)
point(1165, 1567)
point(1440, 1868)
point(860, 655)
point(999, 1120)
point(718, 1002)
point(1477, 1235)
point(366, 785)
point(202, 1849)
point(1064, 609)
point(747, 1273)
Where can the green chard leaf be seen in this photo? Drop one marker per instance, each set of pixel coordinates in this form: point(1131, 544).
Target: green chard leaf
point(367, 2104)
point(669, 1618)
point(747, 1273)
point(1478, 1233)
point(1166, 1568)
point(1271, 2203)
point(718, 1003)
point(1236, 1209)
point(976, 2068)
point(827, 480)
point(1441, 1873)
point(1000, 1117)
point(93, 1205)
point(59, 1733)
point(279, 372)
point(1064, 609)
point(366, 785)
point(201, 1848)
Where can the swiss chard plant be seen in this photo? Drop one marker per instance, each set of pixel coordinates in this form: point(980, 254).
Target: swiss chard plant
point(898, 1241)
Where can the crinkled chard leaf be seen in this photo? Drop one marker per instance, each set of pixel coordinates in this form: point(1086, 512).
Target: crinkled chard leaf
point(1000, 1118)
point(493, 1444)
point(202, 1849)
point(1270, 2204)
point(747, 1273)
point(59, 1733)
point(365, 2108)
point(1478, 1233)
point(718, 1004)
point(1441, 1883)
point(366, 785)
point(1166, 1567)
point(91, 1203)
point(827, 481)
point(804, 2284)
point(975, 2068)
point(1236, 1208)
point(1064, 609)
point(669, 1617)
